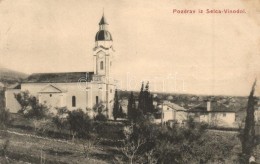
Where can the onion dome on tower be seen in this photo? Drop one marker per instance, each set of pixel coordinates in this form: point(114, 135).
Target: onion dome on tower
point(103, 36)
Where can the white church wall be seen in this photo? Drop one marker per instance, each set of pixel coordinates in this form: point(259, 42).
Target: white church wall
point(53, 100)
point(69, 89)
point(100, 91)
point(85, 98)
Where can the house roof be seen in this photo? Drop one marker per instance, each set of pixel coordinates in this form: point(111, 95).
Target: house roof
point(215, 107)
point(174, 106)
point(65, 77)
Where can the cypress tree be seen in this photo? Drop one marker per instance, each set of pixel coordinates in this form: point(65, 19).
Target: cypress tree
point(130, 106)
point(145, 100)
point(116, 107)
point(120, 112)
point(248, 138)
point(141, 98)
point(151, 107)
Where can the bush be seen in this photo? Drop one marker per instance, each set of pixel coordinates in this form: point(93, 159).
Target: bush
point(42, 125)
point(30, 106)
point(100, 117)
point(188, 144)
point(108, 130)
point(193, 144)
point(4, 117)
point(60, 119)
point(6, 142)
point(80, 123)
point(39, 111)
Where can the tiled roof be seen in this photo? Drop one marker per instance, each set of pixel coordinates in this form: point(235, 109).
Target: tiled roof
point(65, 77)
point(174, 106)
point(214, 106)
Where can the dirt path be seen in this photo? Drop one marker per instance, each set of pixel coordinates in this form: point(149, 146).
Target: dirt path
point(36, 136)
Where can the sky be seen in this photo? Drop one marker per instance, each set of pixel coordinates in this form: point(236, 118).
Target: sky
point(213, 54)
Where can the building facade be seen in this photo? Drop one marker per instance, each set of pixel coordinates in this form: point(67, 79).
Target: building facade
point(171, 112)
point(75, 90)
point(214, 114)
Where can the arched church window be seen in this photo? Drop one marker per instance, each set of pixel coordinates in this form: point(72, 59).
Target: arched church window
point(73, 101)
point(101, 65)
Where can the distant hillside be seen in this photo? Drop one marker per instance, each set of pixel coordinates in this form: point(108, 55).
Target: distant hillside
point(8, 76)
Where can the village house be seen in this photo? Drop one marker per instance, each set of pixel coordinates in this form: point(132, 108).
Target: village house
point(257, 115)
point(257, 119)
point(171, 112)
point(74, 90)
point(214, 114)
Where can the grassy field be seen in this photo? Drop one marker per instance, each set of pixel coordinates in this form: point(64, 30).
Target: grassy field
point(24, 148)
point(27, 145)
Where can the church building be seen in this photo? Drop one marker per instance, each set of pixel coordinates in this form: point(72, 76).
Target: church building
point(74, 90)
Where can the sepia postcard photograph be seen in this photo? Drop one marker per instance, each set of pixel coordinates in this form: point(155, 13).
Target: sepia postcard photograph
point(129, 82)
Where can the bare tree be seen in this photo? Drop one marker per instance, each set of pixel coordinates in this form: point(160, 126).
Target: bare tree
point(130, 149)
point(43, 154)
point(41, 125)
point(151, 159)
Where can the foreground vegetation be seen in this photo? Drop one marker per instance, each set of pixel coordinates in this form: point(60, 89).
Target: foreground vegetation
point(41, 150)
point(129, 143)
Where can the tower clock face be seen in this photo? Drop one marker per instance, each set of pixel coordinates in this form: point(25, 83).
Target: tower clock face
point(101, 55)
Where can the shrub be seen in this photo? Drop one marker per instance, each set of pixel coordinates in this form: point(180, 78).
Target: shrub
point(39, 111)
point(193, 144)
point(42, 125)
point(189, 144)
point(5, 146)
point(79, 123)
point(60, 119)
point(4, 117)
point(30, 106)
point(100, 117)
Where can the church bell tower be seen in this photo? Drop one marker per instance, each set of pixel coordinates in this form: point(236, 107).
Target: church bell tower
point(103, 51)
point(103, 61)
